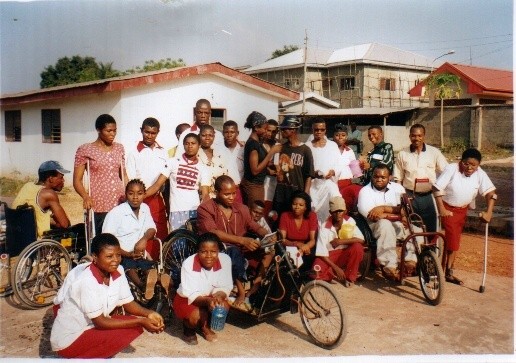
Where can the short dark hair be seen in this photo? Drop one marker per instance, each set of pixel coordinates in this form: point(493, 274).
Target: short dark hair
point(259, 203)
point(318, 120)
point(204, 127)
point(272, 121)
point(102, 240)
point(103, 120)
point(208, 237)
point(151, 122)
point(135, 182)
point(375, 127)
point(381, 166)
point(181, 127)
point(340, 128)
point(202, 101)
point(44, 175)
point(192, 135)
point(418, 126)
point(230, 123)
point(223, 179)
point(471, 153)
point(306, 198)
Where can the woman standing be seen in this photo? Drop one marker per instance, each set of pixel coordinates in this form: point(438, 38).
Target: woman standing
point(84, 326)
point(382, 153)
point(256, 159)
point(103, 159)
point(298, 228)
point(213, 159)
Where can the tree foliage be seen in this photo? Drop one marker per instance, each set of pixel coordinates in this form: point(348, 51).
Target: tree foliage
point(444, 85)
point(286, 49)
point(78, 69)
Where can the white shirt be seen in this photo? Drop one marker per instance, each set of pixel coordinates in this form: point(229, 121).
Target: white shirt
point(83, 297)
point(343, 170)
point(124, 225)
point(370, 197)
point(146, 163)
point(461, 190)
point(325, 157)
point(411, 165)
point(197, 281)
point(185, 179)
point(328, 233)
point(234, 160)
point(216, 166)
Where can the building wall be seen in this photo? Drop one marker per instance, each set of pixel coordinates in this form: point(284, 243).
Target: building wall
point(170, 103)
point(77, 127)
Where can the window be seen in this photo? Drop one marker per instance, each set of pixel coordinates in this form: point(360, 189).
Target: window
point(327, 83)
point(347, 83)
point(292, 83)
point(13, 126)
point(218, 117)
point(387, 84)
point(51, 126)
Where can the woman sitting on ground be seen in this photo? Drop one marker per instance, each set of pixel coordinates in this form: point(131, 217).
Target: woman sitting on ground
point(298, 228)
point(91, 292)
point(206, 282)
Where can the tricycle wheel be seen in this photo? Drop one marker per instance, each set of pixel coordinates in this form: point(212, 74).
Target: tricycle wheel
point(322, 315)
point(431, 277)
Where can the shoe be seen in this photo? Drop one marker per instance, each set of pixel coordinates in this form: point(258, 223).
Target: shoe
point(390, 273)
point(152, 277)
point(410, 268)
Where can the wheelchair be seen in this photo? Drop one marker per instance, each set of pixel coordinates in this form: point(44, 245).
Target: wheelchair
point(36, 268)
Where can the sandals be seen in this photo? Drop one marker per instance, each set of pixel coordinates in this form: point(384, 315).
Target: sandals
point(390, 273)
point(454, 280)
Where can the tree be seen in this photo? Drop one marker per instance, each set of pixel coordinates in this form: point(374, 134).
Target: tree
point(443, 85)
point(286, 49)
point(70, 70)
point(151, 65)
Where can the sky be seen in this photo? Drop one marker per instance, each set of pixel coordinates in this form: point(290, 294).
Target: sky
point(35, 34)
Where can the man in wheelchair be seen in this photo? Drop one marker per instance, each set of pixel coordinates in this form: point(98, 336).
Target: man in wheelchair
point(42, 196)
point(131, 222)
point(379, 203)
point(231, 221)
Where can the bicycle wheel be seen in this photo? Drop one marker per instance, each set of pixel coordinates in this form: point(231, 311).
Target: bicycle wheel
point(431, 277)
point(39, 272)
point(322, 315)
point(181, 245)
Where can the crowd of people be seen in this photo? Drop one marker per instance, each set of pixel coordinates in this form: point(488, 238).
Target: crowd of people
point(230, 186)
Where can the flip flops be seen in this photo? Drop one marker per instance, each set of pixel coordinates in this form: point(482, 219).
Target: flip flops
point(454, 280)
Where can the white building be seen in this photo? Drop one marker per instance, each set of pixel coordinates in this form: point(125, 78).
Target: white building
point(49, 124)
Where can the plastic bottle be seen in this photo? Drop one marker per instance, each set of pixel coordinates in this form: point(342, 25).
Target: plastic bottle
point(218, 318)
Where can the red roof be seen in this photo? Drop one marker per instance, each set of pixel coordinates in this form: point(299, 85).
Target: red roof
point(142, 79)
point(479, 80)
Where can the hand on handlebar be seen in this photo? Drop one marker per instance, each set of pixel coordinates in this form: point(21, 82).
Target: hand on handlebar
point(250, 244)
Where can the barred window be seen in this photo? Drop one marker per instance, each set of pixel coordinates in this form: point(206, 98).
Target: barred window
point(13, 126)
point(347, 83)
point(51, 126)
point(387, 84)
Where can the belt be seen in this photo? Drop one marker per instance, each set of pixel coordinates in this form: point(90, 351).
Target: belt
point(421, 194)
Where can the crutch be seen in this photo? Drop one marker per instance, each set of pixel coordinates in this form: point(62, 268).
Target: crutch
point(89, 220)
point(482, 287)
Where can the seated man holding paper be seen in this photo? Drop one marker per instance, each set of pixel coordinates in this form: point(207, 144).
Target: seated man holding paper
point(230, 221)
point(339, 248)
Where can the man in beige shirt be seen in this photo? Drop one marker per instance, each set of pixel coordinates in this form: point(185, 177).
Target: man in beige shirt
point(416, 168)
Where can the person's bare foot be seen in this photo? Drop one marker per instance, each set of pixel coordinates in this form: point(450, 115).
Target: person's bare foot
point(239, 300)
point(209, 334)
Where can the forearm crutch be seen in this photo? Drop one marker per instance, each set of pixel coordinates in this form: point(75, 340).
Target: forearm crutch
point(482, 287)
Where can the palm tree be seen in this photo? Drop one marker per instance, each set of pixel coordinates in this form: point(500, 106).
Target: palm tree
point(443, 86)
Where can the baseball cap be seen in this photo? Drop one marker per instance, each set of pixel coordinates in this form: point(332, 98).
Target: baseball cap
point(337, 203)
point(52, 165)
point(290, 122)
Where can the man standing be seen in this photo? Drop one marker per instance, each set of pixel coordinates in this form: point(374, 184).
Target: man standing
point(378, 201)
point(42, 196)
point(355, 139)
point(234, 155)
point(416, 168)
point(202, 116)
point(146, 162)
point(296, 166)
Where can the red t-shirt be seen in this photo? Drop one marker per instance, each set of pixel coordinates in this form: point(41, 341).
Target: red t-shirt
point(288, 224)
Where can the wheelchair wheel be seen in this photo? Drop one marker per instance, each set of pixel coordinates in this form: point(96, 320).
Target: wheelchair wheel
point(322, 315)
point(431, 277)
point(369, 245)
point(181, 245)
point(39, 272)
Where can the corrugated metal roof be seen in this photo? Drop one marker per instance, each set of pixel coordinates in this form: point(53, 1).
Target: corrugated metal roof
point(370, 111)
point(374, 53)
point(488, 78)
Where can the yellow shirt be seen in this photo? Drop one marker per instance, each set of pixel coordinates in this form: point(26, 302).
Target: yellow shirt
point(29, 194)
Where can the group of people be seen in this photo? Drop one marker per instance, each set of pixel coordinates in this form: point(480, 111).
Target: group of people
point(229, 186)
